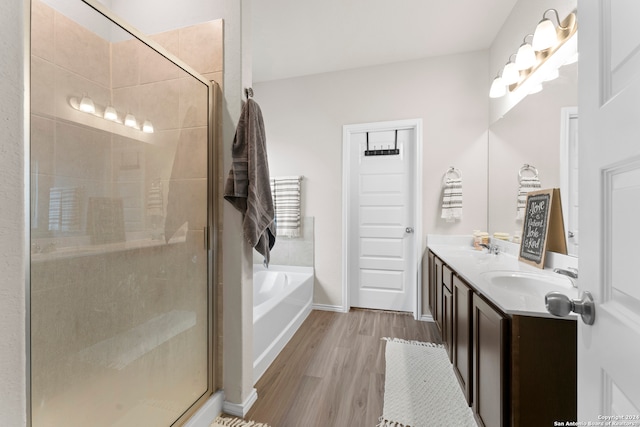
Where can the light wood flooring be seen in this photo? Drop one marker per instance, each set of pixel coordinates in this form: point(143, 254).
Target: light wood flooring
point(331, 373)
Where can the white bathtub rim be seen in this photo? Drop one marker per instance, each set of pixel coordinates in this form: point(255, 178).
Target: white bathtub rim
point(284, 268)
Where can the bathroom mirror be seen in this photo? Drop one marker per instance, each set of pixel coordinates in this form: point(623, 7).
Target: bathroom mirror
point(532, 133)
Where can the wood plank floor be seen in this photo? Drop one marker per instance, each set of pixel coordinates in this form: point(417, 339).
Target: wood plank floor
point(331, 373)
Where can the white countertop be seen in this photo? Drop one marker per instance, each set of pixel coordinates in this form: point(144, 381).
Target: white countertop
point(475, 267)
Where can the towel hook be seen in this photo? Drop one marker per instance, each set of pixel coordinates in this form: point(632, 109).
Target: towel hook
point(249, 92)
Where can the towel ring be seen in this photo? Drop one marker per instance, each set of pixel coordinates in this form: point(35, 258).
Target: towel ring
point(528, 167)
point(452, 171)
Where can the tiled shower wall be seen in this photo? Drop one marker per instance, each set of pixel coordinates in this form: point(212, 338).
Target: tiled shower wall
point(97, 309)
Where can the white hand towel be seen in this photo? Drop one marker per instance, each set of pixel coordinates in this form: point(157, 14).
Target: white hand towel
point(527, 184)
point(452, 200)
point(286, 202)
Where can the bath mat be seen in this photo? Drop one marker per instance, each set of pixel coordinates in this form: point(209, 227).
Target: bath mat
point(235, 422)
point(420, 387)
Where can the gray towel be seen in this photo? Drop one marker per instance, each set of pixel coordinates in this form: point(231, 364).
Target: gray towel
point(248, 188)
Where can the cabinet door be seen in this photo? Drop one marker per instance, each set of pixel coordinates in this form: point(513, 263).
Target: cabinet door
point(437, 312)
point(461, 348)
point(432, 284)
point(489, 365)
point(447, 320)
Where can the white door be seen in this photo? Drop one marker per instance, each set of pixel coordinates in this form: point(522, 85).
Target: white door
point(569, 176)
point(609, 93)
point(382, 251)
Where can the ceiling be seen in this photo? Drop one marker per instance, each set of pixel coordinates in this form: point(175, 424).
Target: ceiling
point(300, 37)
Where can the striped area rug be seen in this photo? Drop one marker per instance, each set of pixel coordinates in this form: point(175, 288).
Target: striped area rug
point(235, 422)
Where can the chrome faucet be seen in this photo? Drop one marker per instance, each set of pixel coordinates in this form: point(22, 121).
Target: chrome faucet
point(570, 272)
point(493, 249)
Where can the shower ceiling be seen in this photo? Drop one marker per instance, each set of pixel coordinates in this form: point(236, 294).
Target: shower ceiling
point(295, 38)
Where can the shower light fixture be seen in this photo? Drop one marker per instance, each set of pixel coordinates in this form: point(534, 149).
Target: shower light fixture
point(147, 127)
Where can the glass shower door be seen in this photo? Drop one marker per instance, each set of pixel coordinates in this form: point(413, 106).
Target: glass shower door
point(120, 296)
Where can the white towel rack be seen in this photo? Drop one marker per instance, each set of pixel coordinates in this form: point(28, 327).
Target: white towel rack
point(451, 173)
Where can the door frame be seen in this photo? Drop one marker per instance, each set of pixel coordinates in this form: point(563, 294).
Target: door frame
point(347, 132)
point(566, 115)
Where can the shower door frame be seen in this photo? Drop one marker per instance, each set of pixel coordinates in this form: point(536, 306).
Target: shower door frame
point(210, 232)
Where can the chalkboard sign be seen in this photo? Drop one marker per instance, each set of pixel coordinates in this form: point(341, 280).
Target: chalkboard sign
point(543, 227)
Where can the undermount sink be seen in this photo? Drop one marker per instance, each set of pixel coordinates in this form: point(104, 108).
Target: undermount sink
point(528, 287)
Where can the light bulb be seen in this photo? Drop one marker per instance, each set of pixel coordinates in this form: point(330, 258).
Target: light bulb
point(510, 74)
point(526, 57)
point(130, 120)
point(86, 105)
point(110, 113)
point(147, 127)
point(545, 35)
point(498, 88)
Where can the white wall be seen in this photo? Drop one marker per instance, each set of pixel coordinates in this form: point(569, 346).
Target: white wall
point(304, 118)
point(13, 258)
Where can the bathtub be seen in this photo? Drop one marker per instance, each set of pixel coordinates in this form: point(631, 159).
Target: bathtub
point(281, 302)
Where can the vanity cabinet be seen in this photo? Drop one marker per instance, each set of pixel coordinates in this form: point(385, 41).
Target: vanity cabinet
point(513, 370)
point(461, 348)
point(431, 283)
point(490, 356)
point(437, 291)
point(447, 310)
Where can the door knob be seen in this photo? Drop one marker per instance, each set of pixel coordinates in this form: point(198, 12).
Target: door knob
point(571, 234)
point(409, 230)
point(561, 305)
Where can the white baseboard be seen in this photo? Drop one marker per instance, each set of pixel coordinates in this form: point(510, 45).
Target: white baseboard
point(207, 412)
point(240, 409)
point(328, 307)
point(426, 318)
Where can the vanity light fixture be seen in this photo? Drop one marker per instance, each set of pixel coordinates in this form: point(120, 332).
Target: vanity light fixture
point(86, 105)
point(551, 47)
point(526, 56)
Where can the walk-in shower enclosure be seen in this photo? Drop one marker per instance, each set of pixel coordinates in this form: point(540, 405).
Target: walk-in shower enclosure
point(121, 302)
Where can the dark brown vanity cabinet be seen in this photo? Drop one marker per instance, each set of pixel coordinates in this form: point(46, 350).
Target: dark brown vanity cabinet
point(431, 284)
point(462, 333)
point(437, 291)
point(513, 370)
point(490, 359)
point(447, 310)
